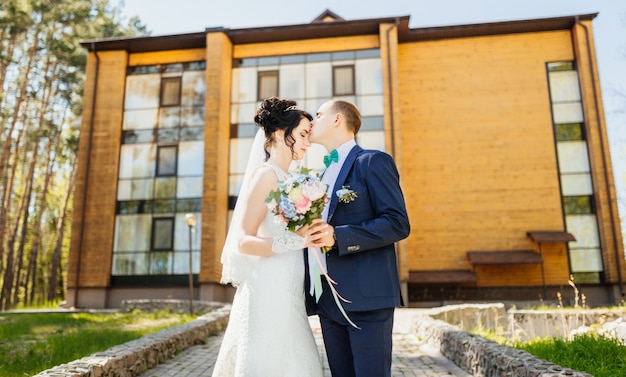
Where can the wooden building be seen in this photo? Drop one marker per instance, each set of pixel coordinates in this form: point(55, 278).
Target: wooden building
point(497, 129)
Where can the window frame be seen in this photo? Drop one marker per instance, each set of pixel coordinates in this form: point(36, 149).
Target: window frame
point(575, 208)
point(158, 160)
point(336, 93)
point(177, 79)
point(260, 76)
point(155, 220)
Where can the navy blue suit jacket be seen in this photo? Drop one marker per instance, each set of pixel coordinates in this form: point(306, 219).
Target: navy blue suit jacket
point(363, 260)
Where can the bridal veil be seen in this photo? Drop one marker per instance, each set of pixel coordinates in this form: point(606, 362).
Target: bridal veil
point(237, 266)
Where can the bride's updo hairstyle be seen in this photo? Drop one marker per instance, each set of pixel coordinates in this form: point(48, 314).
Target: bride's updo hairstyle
point(279, 114)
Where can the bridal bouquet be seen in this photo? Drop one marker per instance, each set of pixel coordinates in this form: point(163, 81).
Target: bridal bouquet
point(299, 200)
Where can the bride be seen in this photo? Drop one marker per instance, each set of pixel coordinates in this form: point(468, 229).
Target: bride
point(268, 333)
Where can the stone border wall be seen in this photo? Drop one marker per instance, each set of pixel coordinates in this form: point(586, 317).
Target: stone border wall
point(135, 357)
point(530, 324)
point(479, 356)
point(176, 306)
point(473, 316)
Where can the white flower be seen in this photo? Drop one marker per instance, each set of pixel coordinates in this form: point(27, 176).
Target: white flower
point(314, 189)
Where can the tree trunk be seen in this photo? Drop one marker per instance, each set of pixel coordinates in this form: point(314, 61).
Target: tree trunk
point(22, 235)
point(4, 159)
point(55, 268)
point(19, 101)
point(7, 283)
point(31, 275)
point(48, 165)
point(5, 63)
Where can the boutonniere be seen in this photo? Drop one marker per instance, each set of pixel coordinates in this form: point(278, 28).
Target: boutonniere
point(346, 195)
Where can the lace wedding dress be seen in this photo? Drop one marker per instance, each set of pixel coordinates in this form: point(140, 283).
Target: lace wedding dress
point(268, 333)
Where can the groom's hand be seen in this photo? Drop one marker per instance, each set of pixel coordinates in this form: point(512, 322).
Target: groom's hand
point(313, 233)
point(326, 237)
point(321, 234)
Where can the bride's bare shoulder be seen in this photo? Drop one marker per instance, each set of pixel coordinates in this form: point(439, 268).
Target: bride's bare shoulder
point(264, 174)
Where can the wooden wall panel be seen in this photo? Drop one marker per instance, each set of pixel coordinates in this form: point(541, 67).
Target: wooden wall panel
point(479, 165)
point(554, 255)
point(305, 46)
point(167, 57)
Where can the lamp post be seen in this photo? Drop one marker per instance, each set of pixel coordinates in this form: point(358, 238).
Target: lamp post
point(190, 219)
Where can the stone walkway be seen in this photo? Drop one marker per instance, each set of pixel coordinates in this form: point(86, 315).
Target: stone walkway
point(411, 357)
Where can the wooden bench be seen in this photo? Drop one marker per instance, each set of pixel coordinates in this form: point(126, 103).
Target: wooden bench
point(442, 276)
point(504, 257)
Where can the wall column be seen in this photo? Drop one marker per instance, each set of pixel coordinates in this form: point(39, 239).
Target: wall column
point(600, 160)
point(93, 221)
point(216, 156)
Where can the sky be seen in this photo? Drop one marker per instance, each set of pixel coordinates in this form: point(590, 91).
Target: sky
point(164, 17)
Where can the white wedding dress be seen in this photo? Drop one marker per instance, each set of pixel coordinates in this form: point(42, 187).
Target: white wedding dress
point(268, 332)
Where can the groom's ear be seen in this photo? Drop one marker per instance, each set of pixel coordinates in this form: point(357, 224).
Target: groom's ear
point(338, 119)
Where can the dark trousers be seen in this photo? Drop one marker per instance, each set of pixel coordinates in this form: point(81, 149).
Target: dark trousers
point(351, 352)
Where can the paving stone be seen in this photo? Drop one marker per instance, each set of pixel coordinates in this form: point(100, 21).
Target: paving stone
point(411, 357)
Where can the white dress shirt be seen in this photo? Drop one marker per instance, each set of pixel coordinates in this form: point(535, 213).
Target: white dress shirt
point(329, 177)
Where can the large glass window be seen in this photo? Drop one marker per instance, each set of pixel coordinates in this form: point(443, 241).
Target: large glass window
point(161, 171)
point(585, 254)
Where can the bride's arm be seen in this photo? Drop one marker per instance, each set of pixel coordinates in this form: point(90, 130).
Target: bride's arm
point(262, 181)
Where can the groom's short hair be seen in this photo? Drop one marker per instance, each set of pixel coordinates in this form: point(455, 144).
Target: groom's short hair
point(351, 113)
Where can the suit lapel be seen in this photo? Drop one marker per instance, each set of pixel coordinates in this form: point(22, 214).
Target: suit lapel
point(341, 179)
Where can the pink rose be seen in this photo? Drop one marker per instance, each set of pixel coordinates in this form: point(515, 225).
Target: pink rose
point(302, 205)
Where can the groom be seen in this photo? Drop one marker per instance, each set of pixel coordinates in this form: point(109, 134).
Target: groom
point(364, 228)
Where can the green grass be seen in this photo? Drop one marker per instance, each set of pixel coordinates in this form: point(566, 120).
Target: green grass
point(597, 355)
point(31, 343)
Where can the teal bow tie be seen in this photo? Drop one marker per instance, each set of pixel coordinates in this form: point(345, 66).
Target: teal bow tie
point(332, 157)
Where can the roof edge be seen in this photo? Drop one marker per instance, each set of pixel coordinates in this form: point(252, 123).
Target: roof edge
point(337, 28)
point(493, 28)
